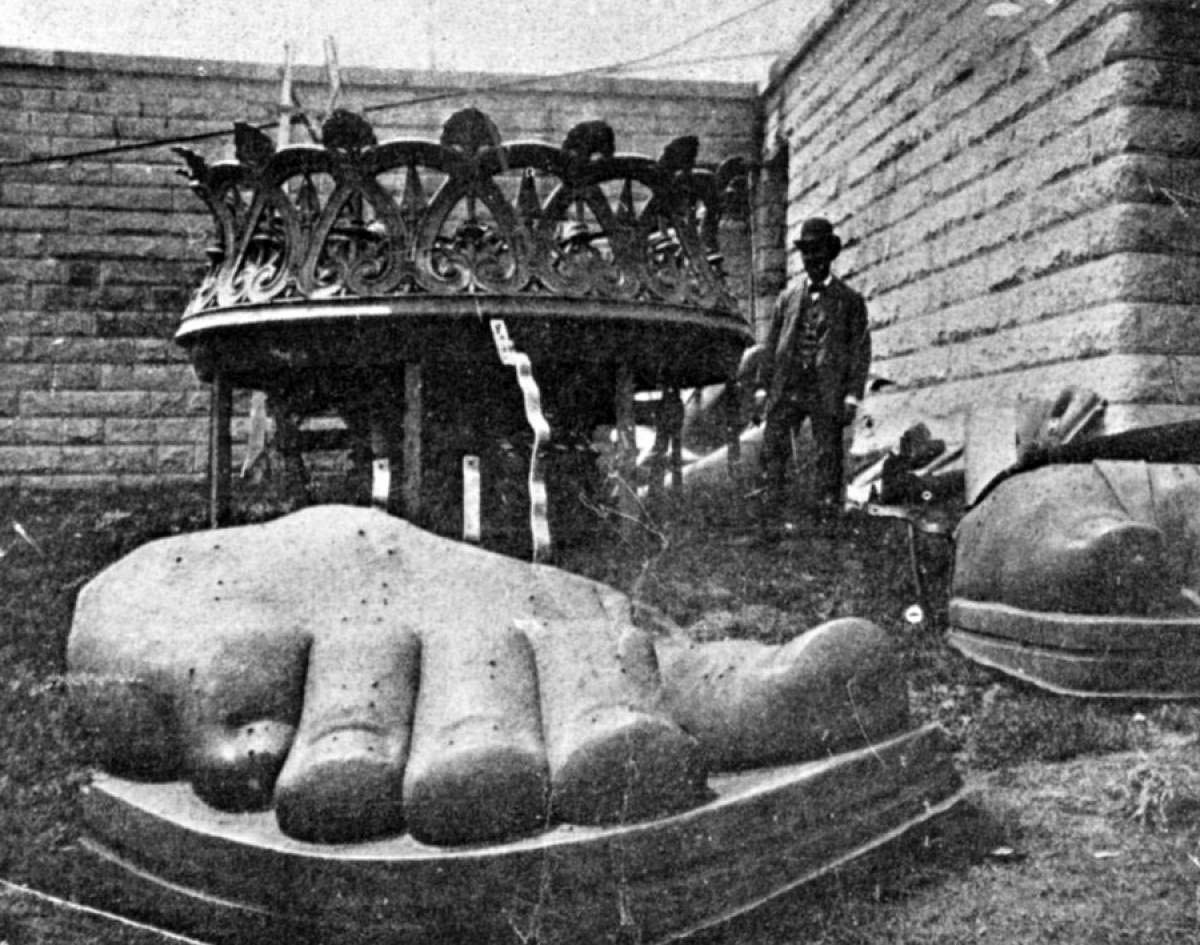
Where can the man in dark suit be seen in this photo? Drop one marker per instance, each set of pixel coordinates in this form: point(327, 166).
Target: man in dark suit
point(813, 367)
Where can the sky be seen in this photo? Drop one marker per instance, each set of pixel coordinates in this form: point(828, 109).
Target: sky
point(522, 36)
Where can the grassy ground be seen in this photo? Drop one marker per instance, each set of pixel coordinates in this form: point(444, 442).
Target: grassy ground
point(1084, 822)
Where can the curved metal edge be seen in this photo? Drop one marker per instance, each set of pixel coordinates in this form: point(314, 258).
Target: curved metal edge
point(1079, 675)
point(273, 925)
point(277, 314)
point(1113, 634)
point(800, 832)
point(932, 813)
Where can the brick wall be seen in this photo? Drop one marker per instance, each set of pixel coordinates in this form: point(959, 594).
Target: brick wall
point(1019, 188)
point(98, 255)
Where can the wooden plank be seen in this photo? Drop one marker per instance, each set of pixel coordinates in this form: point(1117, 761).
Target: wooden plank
point(732, 405)
point(220, 449)
point(762, 833)
point(381, 454)
point(1096, 675)
point(674, 401)
point(626, 448)
point(410, 489)
point(472, 517)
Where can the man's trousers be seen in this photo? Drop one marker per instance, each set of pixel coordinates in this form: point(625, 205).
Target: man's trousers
point(784, 418)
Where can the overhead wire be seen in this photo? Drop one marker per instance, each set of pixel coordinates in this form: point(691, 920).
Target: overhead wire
point(517, 82)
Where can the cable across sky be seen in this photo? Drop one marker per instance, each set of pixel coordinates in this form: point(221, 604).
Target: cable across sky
point(658, 56)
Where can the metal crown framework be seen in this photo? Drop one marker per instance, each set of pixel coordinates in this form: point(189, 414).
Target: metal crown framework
point(466, 215)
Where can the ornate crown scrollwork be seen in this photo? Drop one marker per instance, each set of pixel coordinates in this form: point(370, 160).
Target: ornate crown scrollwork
point(466, 214)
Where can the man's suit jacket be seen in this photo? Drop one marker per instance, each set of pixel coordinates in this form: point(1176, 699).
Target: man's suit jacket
point(843, 354)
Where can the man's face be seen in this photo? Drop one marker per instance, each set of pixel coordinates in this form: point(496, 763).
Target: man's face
point(817, 257)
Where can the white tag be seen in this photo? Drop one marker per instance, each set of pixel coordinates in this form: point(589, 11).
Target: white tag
point(472, 502)
point(539, 523)
point(381, 481)
point(504, 345)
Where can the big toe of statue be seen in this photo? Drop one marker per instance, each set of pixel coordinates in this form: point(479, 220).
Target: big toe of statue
point(363, 677)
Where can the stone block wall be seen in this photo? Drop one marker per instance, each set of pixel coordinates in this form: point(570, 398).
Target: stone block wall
point(98, 254)
point(1019, 189)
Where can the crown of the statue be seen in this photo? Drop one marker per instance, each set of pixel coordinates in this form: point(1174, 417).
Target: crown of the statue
point(468, 214)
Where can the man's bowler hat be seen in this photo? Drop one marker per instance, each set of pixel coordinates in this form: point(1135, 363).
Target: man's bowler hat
point(816, 231)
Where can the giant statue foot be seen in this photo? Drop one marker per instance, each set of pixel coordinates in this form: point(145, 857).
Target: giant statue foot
point(1084, 579)
point(340, 699)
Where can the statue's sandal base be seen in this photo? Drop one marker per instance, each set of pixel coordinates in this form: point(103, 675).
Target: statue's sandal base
point(525, 763)
point(1081, 654)
point(1079, 579)
point(223, 877)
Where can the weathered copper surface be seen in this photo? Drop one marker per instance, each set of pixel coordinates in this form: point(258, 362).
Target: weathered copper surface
point(348, 728)
point(235, 878)
point(618, 252)
point(364, 677)
point(1077, 426)
point(1082, 578)
point(366, 279)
